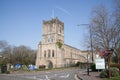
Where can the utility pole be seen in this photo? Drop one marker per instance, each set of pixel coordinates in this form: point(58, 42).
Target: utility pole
point(91, 43)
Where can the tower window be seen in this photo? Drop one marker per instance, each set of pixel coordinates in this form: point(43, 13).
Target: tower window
point(53, 53)
point(48, 39)
point(48, 53)
point(60, 29)
point(44, 53)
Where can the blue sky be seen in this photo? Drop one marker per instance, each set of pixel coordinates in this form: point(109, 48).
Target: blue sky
point(21, 20)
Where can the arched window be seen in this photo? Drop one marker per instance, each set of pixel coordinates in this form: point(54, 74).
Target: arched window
point(44, 53)
point(48, 53)
point(53, 53)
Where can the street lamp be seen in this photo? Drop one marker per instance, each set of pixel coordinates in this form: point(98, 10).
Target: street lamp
point(91, 43)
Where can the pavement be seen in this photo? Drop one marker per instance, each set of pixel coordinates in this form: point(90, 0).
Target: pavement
point(91, 76)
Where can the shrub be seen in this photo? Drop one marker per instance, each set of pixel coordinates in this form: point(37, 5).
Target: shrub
point(114, 72)
point(117, 65)
point(104, 74)
point(24, 67)
point(93, 67)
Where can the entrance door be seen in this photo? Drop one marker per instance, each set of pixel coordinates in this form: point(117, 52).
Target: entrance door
point(49, 64)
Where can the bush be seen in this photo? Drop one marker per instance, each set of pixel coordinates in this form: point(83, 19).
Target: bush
point(115, 65)
point(93, 67)
point(24, 67)
point(104, 74)
point(114, 72)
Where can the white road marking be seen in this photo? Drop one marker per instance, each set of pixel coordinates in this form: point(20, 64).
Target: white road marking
point(76, 78)
point(47, 77)
point(41, 79)
point(66, 76)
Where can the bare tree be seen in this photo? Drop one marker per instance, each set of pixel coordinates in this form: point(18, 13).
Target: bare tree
point(106, 29)
point(5, 51)
point(100, 26)
point(24, 55)
point(12, 54)
point(3, 44)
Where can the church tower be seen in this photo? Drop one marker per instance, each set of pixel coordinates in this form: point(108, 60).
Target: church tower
point(53, 32)
point(49, 52)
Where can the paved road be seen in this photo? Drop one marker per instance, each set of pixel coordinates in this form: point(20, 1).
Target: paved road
point(66, 74)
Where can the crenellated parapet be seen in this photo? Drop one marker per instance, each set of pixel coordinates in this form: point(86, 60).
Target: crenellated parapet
point(54, 20)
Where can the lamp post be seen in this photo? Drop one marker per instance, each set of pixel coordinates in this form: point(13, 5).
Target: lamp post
point(91, 43)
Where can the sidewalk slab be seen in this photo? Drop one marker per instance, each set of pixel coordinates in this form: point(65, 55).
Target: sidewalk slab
point(91, 76)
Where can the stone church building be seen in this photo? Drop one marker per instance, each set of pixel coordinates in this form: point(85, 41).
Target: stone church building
point(52, 51)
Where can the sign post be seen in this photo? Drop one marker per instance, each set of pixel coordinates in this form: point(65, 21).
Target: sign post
point(107, 53)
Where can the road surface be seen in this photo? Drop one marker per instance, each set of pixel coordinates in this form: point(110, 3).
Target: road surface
point(62, 74)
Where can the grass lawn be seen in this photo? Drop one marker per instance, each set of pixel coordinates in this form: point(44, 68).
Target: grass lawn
point(114, 78)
